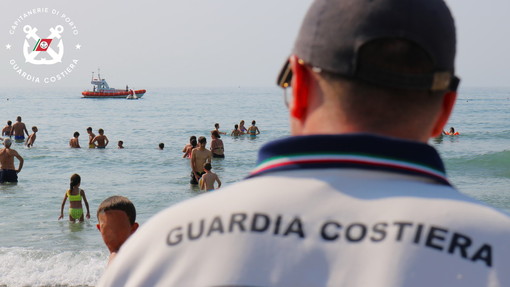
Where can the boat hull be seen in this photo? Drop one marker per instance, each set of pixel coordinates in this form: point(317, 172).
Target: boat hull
point(112, 95)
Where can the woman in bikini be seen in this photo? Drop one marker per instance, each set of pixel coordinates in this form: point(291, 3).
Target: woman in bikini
point(253, 130)
point(242, 128)
point(75, 195)
point(217, 145)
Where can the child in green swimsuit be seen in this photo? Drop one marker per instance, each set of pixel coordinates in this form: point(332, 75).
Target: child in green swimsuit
point(75, 195)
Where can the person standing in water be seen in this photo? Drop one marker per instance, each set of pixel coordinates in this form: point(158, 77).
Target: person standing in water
point(8, 173)
point(209, 178)
point(189, 147)
point(217, 128)
point(31, 138)
point(199, 156)
point(236, 132)
point(18, 130)
point(73, 142)
point(242, 128)
point(253, 130)
point(75, 195)
point(6, 131)
point(217, 147)
point(91, 137)
point(100, 141)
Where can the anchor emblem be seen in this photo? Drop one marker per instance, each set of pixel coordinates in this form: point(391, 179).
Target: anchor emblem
point(30, 57)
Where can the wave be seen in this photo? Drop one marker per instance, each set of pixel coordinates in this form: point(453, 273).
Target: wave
point(489, 164)
point(32, 267)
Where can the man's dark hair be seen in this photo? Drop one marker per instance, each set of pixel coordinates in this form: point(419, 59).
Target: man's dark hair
point(118, 202)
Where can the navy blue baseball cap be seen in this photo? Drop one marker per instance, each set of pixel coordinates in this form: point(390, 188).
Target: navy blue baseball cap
point(333, 32)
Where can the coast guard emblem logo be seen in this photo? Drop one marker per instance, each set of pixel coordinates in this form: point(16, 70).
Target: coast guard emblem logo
point(43, 45)
point(35, 46)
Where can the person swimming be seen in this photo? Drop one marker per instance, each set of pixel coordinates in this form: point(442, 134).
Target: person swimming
point(452, 132)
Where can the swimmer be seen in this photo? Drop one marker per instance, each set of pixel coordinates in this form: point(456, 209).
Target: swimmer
point(452, 132)
point(100, 141)
point(73, 142)
point(161, 146)
point(8, 173)
point(6, 131)
point(253, 130)
point(242, 128)
point(31, 138)
point(91, 137)
point(120, 144)
point(199, 156)
point(75, 195)
point(236, 132)
point(18, 130)
point(217, 128)
point(217, 147)
point(189, 147)
point(207, 180)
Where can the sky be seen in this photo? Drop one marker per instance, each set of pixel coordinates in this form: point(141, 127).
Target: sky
point(206, 43)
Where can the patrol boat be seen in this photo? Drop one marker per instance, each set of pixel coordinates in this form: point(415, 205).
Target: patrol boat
point(101, 90)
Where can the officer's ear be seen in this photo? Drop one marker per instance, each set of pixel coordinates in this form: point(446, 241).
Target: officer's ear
point(300, 88)
point(449, 99)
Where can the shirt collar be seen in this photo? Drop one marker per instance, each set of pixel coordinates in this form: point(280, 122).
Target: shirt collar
point(361, 151)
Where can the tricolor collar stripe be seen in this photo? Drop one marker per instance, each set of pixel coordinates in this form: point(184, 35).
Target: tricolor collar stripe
point(350, 159)
point(360, 151)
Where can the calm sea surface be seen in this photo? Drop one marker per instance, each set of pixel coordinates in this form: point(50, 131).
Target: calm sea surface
point(38, 250)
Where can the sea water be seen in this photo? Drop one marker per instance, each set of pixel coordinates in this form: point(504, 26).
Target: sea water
point(36, 249)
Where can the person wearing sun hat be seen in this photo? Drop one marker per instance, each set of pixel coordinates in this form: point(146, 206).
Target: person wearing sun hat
point(356, 196)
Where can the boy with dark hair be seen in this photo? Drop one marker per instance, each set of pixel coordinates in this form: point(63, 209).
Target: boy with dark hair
point(207, 180)
point(199, 156)
point(101, 140)
point(91, 137)
point(116, 216)
point(31, 138)
point(6, 131)
point(73, 142)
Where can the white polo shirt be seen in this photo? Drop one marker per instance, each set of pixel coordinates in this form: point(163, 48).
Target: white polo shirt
point(335, 210)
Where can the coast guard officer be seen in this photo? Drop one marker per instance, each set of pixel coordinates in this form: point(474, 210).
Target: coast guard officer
point(356, 197)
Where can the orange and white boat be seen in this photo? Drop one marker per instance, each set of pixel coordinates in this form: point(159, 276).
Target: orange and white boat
point(101, 90)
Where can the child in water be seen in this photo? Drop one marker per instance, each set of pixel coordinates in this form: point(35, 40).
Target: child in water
point(207, 180)
point(116, 218)
point(76, 195)
point(31, 138)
